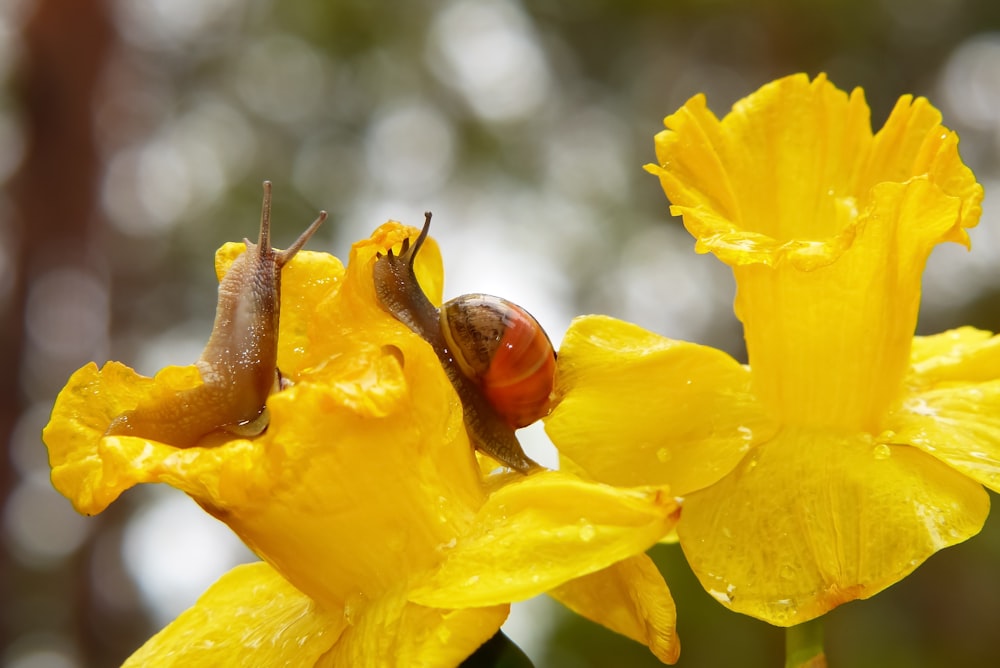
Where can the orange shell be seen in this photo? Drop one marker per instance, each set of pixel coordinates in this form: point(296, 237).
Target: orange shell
point(504, 349)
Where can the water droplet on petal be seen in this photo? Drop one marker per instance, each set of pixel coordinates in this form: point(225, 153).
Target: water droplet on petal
point(352, 606)
point(881, 451)
point(887, 436)
point(587, 531)
point(788, 572)
point(444, 547)
point(720, 596)
point(663, 455)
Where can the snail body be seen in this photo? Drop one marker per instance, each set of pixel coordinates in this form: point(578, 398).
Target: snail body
point(238, 366)
point(496, 355)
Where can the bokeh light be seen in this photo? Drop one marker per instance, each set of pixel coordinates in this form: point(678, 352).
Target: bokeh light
point(174, 550)
point(488, 52)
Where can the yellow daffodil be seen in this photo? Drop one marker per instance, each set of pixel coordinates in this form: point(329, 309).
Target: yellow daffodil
point(383, 543)
point(848, 451)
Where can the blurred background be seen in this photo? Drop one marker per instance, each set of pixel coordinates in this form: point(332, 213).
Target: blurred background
point(134, 136)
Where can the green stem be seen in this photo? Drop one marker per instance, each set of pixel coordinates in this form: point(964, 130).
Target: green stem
point(804, 645)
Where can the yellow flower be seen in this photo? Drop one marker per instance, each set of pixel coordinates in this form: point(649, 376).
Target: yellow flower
point(364, 498)
point(849, 451)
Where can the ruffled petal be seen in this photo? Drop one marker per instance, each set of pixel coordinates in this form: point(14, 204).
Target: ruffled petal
point(812, 520)
point(353, 313)
point(914, 143)
point(84, 464)
point(811, 137)
point(630, 598)
point(635, 408)
point(541, 531)
point(394, 632)
point(952, 408)
point(250, 617)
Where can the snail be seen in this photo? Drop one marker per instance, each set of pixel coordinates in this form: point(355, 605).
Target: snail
point(239, 364)
point(496, 355)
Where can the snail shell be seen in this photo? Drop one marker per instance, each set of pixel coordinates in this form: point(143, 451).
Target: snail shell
point(503, 348)
point(238, 366)
point(497, 357)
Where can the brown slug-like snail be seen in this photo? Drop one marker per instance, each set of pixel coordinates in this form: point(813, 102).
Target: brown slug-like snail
point(496, 355)
point(239, 364)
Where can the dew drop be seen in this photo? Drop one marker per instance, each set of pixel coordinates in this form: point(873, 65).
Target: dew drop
point(352, 606)
point(663, 455)
point(444, 547)
point(587, 531)
point(787, 572)
point(720, 596)
point(881, 451)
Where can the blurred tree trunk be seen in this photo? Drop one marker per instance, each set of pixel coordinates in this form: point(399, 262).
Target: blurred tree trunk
point(55, 215)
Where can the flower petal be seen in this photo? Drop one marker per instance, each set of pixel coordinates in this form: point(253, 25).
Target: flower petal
point(914, 143)
point(813, 136)
point(631, 598)
point(635, 408)
point(541, 531)
point(354, 312)
point(963, 355)
point(391, 631)
point(250, 617)
point(812, 520)
point(78, 453)
point(952, 410)
point(307, 280)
